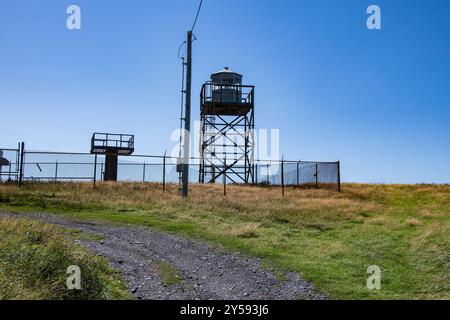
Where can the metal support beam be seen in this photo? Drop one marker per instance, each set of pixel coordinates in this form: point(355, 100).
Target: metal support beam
point(95, 170)
point(316, 175)
point(164, 172)
point(225, 179)
point(111, 164)
point(282, 176)
point(339, 175)
point(56, 171)
point(143, 172)
point(236, 133)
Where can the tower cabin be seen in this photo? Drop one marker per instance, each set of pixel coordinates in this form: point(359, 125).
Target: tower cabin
point(225, 95)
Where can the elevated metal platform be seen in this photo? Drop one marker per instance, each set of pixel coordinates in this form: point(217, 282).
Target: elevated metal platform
point(112, 146)
point(111, 143)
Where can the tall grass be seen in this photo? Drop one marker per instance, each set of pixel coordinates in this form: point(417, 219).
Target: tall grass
point(33, 261)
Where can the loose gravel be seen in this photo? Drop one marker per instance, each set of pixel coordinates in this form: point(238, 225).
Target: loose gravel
point(206, 272)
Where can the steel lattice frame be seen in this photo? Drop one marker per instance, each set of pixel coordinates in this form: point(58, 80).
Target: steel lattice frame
point(219, 134)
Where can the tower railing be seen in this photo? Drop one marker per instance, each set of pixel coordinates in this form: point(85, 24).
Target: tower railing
point(101, 142)
point(220, 93)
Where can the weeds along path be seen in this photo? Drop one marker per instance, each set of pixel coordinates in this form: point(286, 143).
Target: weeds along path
point(157, 265)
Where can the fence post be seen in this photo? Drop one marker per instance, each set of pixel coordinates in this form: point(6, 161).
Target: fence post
point(225, 177)
point(317, 177)
point(298, 173)
point(143, 173)
point(339, 175)
point(253, 175)
point(22, 156)
point(164, 172)
point(56, 171)
point(95, 169)
point(268, 174)
point(256, 174)
point(282, 175)
point(18, 160)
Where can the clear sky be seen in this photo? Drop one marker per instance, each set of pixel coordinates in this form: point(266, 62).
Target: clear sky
point(379, 101)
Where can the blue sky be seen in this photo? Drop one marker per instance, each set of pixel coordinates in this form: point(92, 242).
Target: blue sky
point(378, 101)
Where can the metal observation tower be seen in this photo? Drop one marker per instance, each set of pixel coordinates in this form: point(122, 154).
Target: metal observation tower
point(227, 129)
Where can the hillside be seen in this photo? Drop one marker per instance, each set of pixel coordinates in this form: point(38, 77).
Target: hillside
point(329, 238)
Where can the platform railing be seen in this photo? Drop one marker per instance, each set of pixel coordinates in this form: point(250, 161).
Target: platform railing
point(105, 140)
point(220, 93)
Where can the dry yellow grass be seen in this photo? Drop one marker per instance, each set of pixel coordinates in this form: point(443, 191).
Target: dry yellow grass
point(413, 222)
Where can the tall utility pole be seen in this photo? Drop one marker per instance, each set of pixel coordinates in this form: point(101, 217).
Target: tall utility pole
point(187, 118)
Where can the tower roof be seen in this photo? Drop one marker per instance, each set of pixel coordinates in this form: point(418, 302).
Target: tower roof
point(226, 70)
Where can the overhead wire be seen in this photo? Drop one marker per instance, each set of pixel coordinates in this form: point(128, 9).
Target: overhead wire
point(192, 30)
point(197, 15)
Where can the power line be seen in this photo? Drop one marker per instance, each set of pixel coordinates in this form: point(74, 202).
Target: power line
point(192, 29)
point(198, 13)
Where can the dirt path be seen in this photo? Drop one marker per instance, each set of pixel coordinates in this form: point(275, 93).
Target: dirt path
point(158, 265)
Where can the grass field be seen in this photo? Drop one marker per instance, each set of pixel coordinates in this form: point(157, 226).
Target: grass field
point(330, 238)
point(34, 258)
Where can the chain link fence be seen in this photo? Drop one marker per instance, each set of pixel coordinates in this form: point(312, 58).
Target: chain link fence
point(67, 166)
point(9, 164)
point(299, 173)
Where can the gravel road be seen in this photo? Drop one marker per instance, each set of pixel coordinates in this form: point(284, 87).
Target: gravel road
point(206, 272)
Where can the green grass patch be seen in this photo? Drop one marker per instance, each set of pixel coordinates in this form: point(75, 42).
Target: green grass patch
point(77, 234)
point(34, 258)
point(168, 273)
